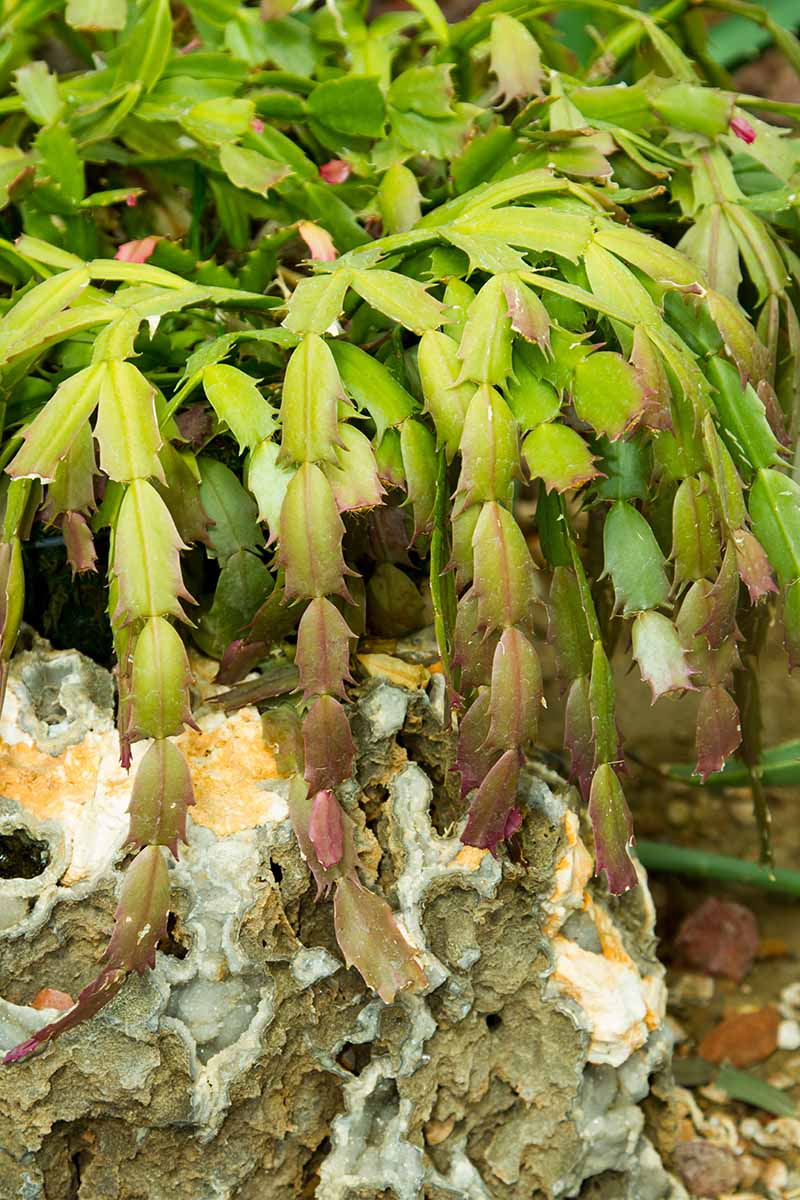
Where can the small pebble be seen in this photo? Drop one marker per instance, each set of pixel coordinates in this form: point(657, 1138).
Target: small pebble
point(690, 988)
point(743, 1038)
point(706, 1169)
point(775, 1174)
point(742, 811)
point(789, 1035)
point(678, 812)
point(781, 1080)
point(679, 1034)
point(749, 1170)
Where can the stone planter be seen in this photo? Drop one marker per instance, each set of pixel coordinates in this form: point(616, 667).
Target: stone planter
point(251, 1063)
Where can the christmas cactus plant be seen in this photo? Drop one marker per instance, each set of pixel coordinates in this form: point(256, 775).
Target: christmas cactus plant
point(364, 325)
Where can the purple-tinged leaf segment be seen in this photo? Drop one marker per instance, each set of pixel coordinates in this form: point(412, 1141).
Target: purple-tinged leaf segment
point(94, 997)
point(493, 804)
point(312, 393)
point(719, 731)
point(723, 600)
point(372, 942)
point(147, 558)
point(567, 627)
point(325, 829)
point(652, 379)
point(489, 451)
point(475, 756)
point(141, 917)
point(162, 794)
point(328, 745)
point(529, 317)
point(613, 830)
point(311, 537)
point(79, 543)
point(579, 734)
point(161, 678)
point(709, 666)
point(753, 564)
point(473, 651)
point(602, 699)
point(695, 538)
point(661, 658)
point(72, 490)
point(727, 483)
point(323, 650)
point(354, 476)
point(503, 582)
point(238, 659)
point(516, 692)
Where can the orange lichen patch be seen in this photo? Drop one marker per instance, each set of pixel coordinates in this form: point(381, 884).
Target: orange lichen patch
point(609, 935)
point(573, 872)
point(610, 996)
point(52, 998)
point(655, 998)
point(613, 950)
point(52, 789)
point(230, 764)
point(469, 858)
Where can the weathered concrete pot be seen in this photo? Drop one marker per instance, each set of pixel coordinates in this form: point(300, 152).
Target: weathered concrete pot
point(251, 1063)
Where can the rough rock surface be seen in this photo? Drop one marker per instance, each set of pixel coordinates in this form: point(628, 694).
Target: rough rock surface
point(251, 1063)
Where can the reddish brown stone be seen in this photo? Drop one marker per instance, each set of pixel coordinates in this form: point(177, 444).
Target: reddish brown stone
point(706, 1169)
point(720, 938)
point(742, 1039)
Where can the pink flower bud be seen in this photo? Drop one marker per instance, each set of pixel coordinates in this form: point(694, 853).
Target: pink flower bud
point(257, 125)
point(132, 200)
point(137, 251)
point(335, 171)
point(743, 129)
point(318, 240)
